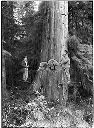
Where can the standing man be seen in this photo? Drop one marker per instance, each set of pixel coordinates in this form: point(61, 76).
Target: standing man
point(25, 65)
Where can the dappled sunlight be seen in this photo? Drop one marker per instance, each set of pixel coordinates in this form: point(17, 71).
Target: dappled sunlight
point(20, 12)
point(47, 64)
point(36, 113)
point(36, 7)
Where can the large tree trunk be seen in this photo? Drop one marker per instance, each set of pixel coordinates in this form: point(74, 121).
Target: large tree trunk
point(54, 47)
point(6, 62)
point(59, 36)
point(65, 61)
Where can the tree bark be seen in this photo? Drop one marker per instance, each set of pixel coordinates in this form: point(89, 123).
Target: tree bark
point(64, 59)
point(3, 87)
point(54, 47)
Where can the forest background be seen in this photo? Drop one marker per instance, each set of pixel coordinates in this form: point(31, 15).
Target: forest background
point(22, 35)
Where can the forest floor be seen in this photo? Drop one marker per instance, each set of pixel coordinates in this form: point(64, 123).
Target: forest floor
point(36, 113)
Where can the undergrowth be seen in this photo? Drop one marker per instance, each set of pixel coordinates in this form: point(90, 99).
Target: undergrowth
point(36, 113)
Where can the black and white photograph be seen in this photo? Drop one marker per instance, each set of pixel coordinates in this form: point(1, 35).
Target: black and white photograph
point(46, 64)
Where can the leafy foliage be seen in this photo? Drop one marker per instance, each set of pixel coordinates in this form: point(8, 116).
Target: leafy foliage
point(81, 65)
point(36, 113)
point(81, 20)
point(9, 28)
point(21, 40)
point(80, 45)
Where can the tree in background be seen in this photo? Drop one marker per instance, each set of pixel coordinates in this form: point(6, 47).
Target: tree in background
point(80, 20)
point(8, 31)
point(80, 25)
point(20, 39)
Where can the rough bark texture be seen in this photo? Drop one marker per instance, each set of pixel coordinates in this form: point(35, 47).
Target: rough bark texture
point(64, 60)
point(3, 87)
point(55, 30)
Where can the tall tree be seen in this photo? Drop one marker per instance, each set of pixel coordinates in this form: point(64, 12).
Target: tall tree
point(80, 45)
point(7, 38)
point(54, 47)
